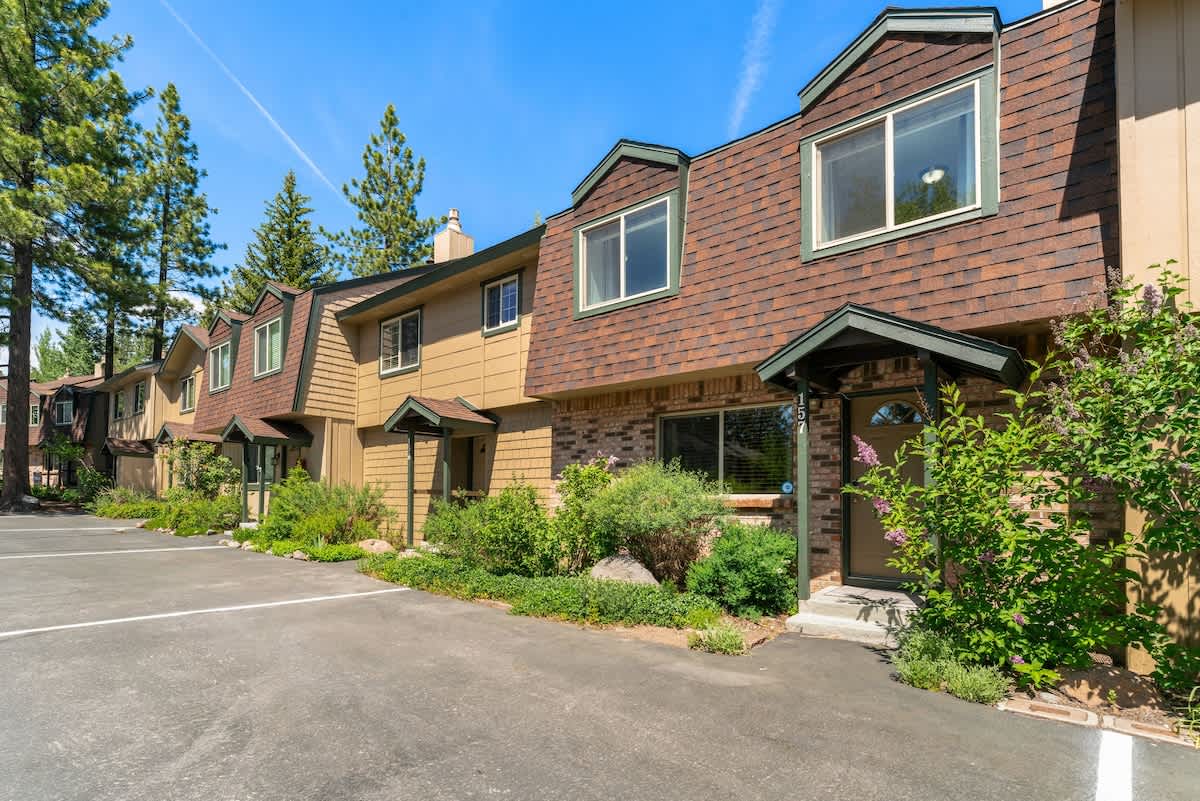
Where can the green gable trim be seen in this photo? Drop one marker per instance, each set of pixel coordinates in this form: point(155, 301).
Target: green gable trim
point(676, 222)
point(626, 148)
point(433, 423)
point(979, 20)
point(989, 169)
point(862, 328)
point(302, 438)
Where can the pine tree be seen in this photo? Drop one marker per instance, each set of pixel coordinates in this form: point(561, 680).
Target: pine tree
point(284, 249)
point(58, 96)
point(75, 352)
point(178, 210)
point(391, 235)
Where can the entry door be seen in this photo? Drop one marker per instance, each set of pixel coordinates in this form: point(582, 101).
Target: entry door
point(884, 421)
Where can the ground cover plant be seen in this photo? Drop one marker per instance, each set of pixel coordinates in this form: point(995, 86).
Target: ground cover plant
point(718, 639)
point(576, 598)
point(126, 504)
point(189, 514)
point(929, 661)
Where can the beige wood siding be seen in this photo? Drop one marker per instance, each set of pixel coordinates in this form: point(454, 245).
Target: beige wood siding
point(456, 359)
point(522, 449)
point(170, 389)
point(385, 464)
point(136, 472)
point(1158, 103)
point(144, 425)
point(335, 455)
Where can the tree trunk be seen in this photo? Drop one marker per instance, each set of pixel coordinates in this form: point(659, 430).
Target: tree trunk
point(160, 316)
point(110, 340)
point(16, 432)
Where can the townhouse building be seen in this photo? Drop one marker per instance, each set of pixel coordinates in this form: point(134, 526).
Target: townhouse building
point(70, 407)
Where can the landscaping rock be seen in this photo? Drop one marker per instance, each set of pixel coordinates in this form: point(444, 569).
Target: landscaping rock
point(623, 568)
point(1095, 687)
point(301, 555)
point(228, 533)
point(375, 546)
point(30, 502)
point(231, 544)
point(247, 546)
point(210, 532)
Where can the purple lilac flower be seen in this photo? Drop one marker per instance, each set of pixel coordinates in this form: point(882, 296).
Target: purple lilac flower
point(896, 537)
point(1019, 619)
point(988, 557)
point(882, 507)
point(1152, 298)
point(865, 453)
point(1016, 660)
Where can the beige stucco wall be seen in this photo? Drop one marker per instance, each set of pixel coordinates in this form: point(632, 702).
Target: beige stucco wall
point(1158, 103)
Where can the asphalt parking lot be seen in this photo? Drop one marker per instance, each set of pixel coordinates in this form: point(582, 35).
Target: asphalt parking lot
point(140, 666)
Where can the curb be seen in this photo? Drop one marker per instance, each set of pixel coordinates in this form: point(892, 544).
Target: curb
point(1083, 717)
point(1148, 730)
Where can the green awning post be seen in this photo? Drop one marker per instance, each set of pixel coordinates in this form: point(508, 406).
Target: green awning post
point(412, 457)
point(929, 392)
point(245, 487)
point(262, 480)
point(801, 489)
point(446, 465)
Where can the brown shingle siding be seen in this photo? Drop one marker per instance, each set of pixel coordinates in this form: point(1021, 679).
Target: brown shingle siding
point(744, 291)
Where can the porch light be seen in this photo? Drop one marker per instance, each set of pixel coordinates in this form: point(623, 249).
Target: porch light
point(932, 175)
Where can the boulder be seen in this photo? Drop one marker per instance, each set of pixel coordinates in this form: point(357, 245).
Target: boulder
point(1104, 684)
point(623, 568)
point(375, 546)
point(247, 546)
point(30, 502)
point(301, 555)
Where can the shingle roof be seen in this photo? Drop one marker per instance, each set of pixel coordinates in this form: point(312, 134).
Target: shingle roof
point(129, 447)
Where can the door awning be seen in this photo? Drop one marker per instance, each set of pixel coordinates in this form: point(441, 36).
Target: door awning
point(172, 431)
point(129, 447)
point(433, 417)
point(855, 334)
point(257, 431)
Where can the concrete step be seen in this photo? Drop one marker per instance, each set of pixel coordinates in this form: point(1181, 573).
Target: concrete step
point(852, 613)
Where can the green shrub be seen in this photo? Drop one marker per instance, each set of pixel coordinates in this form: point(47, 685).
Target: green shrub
point(562, 597)
point(979, 684)
point(719, 639)
point(929, 660)
point(504, 533)
point(701, 617)
point(199, 468)
point(126, 504)
point(578, 540)
point(335, 552)
point(660, 512)
point(91, 482)
point(313, 512)
point(750, 572)
point(198, 515)
point(279, 547)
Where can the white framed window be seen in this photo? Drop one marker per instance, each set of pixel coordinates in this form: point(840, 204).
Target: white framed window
point(139, 398)
point(626, 256)
point(220, 366)
point(915, 163)
point(268, 347)
point(64, 412)
point(4, 414)
point(118, 404)
point(187, 393)
point(400, 343)
point(35, 414)
point(748, 449)
point(501, 302)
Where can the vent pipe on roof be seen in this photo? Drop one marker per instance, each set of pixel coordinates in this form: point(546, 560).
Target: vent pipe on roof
point(451, 242)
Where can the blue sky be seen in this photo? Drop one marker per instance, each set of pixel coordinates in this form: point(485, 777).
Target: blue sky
point(510, 103)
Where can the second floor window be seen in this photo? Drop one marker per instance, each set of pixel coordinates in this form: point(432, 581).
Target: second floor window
point(268, 347)
point(35, 414)
point(187, 394)
point(139, 398)
point(501, 301)
point(64, 410)
point(220, 366)
point(915, 163)
point(626, 256)
point(118, 404)
point(400, 342)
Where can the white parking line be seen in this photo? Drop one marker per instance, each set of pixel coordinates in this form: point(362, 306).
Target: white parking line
point(189, 612)
point(106, 553)
point(72, 528)
point(1114, 767)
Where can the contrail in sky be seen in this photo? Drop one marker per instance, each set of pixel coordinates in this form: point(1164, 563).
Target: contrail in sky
point(754, 62)
point(250, 96)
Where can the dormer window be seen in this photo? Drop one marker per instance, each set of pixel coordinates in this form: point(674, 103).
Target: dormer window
point(220, 366)
point(64, 410)
point(268, 347)
point(625, 256)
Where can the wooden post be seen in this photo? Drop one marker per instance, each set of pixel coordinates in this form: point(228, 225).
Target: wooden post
point(412, 456)
point(801, 489)
point(245, 487)
point(262, 483)
point(929, 392)
point(445, 464)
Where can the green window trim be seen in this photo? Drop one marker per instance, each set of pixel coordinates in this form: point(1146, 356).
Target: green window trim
point(484, 331)
point(988, 178)
point(676, 222)
point(267, 327)
point(214, 374)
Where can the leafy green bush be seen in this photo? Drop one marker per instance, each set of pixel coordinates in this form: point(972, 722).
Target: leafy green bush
point(580, 542)
point(563, 597)
point(91, 482)
point(504, 533)
point(198, 515)
point(660, 512)
point(313, 512)
point(750, 572)
point(199, 468)
point(719, 639)
point(126, 504)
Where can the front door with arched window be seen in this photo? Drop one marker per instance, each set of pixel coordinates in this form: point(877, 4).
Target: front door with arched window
point(884, 421)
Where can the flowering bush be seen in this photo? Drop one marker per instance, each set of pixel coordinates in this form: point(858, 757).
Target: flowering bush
point(1006, 586)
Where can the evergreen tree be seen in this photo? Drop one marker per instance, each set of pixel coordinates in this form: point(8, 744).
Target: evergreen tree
point(58, 97)
point(178, 211)
point(391, 235)
point(284, 249)
point(75, 352)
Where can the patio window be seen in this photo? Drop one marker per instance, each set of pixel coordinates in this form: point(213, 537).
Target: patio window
point(139, 398)
point(626, 256)
point(501, 302)
point(749, 450)
point(220, 366)
point(187, 394)
point(268, 347)
point(118, 404)
point(400, 343)
point(912, 164)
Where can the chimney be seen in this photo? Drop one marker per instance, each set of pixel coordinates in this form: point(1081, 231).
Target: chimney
point(98, 370)
point(450, 242)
